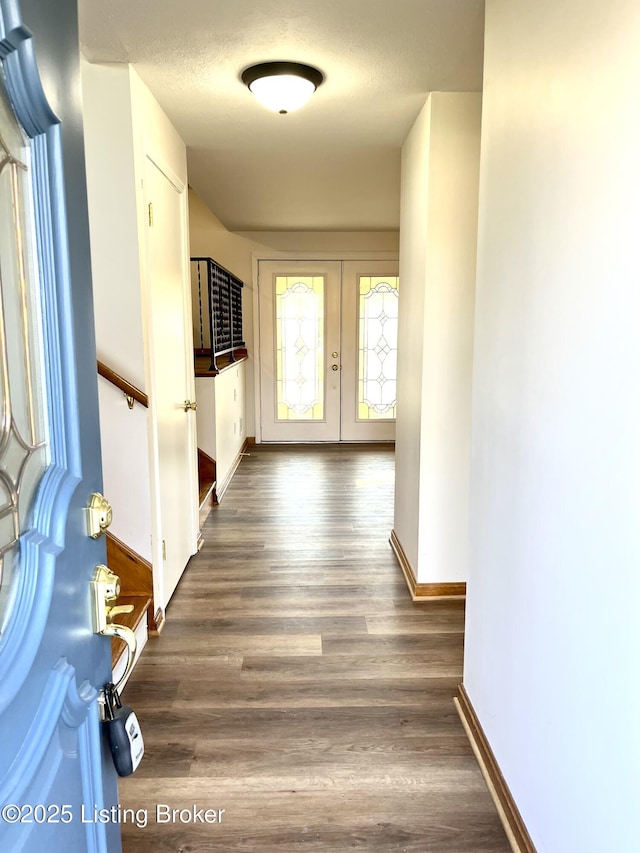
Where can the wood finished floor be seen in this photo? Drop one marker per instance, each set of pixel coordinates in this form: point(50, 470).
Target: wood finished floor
point(296, 685)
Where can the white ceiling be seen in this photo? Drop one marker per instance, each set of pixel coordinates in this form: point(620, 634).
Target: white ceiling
point(333, 165)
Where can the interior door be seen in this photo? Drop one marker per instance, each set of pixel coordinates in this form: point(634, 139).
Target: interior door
point(172, 380)
point(328, 350)
point(299, 350)
point(53, 771)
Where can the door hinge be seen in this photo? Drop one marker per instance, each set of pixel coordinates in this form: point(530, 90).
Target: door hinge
point(164, 550)
point(150, 210)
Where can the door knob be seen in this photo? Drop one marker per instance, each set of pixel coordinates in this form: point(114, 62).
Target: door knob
point(334, 355)
point(190, 406)
point(105, 589)
point(334, 367)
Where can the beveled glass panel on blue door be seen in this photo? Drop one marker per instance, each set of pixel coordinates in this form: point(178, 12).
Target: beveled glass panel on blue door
point(23, 428)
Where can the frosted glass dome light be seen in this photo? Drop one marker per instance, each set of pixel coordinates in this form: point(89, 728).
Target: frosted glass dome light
point(282, 86)
point(282, 93)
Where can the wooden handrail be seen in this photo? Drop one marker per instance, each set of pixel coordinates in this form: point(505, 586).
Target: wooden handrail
point(127, 388)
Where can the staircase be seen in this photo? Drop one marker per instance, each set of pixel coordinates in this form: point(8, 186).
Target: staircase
point(136, 588)
point(206, 478)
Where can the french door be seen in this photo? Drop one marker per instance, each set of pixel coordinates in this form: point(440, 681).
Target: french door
point(328, 350)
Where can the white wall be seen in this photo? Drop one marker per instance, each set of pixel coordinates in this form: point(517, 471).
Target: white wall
point(324, 241)
point(221, 417)
point(126, 473)
point(154, 133)
point(210, 239)
point(552, 648)
point(115, 262)
point(123, 124)
point(414, 202)
point(438, 231)
point(111, 185)
point(206, 415)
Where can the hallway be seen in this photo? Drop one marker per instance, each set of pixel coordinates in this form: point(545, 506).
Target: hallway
point(297, 687)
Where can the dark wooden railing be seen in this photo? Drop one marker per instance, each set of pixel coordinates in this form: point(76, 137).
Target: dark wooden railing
point(130, 391)
point(219, 299)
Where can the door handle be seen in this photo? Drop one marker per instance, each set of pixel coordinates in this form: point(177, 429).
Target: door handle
point(334, 367)
point(105, 589)
point(190, 405)
point(126, 634)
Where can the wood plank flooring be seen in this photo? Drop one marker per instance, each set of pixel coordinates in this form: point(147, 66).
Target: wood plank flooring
point(297, 687)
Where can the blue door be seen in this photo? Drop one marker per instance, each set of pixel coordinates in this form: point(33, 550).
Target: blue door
point(57, 783)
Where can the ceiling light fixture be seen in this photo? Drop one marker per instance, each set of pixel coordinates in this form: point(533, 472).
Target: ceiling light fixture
point(282, 86)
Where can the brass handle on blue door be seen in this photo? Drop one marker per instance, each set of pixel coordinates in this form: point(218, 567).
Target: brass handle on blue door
point(126, 634)
point(105, 589)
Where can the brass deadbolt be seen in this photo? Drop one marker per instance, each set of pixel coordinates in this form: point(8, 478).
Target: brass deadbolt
point(99, 515)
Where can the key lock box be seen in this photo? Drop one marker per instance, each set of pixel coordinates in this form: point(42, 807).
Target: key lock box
point(121, 724)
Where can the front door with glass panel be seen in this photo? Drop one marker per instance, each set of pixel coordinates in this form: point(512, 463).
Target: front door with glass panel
point(299, 332)
point(328, 350)
point(54, 773)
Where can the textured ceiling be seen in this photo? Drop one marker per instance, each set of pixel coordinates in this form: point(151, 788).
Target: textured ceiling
point(333, 165)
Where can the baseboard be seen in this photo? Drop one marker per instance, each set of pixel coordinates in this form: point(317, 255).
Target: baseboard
point(251, 440)
point(423, 591)
point(222, 488)
point(156, 621)
point(512, 822)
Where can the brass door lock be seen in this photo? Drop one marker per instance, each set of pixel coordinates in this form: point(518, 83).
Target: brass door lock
point(99, 515)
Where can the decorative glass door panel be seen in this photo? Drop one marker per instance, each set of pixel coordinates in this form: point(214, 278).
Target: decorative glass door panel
point(370, 293)
point(23, 456)
point(299, 332)
point(377, 347)
point(300, 367)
